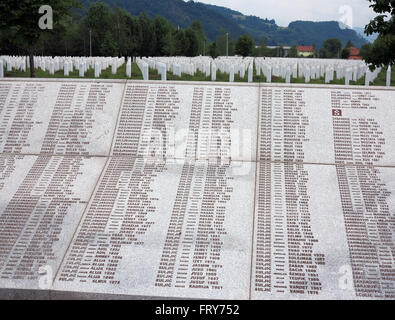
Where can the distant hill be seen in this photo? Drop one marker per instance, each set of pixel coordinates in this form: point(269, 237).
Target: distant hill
point(180, 13)
point(214, 18)
point(361, 32)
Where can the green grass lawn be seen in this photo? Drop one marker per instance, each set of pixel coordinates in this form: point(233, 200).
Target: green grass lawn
point(199, 76)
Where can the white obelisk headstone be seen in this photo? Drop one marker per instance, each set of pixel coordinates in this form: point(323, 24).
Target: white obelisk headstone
point(307, 75)
point(232, 74)
point(66, 69)
point(388, 80)
point(51, 68)
point(367, 77)
point(213, 72)
point(81, 69)
point(97, 69)
point(288, 75)
point(114, 67)
point(129, 68)
point(145, 71)
point(250, 73)
point(269, 74)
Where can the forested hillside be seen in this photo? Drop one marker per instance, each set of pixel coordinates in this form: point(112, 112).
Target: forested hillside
point(216, 18)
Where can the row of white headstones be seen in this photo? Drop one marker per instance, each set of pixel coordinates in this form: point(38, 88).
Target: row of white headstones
point(284, 68)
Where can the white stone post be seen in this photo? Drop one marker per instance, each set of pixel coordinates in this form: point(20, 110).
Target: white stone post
point(145, 71)
point(250, 73)
point(367, 77)
point(114, 67)
point(81, 69)
point(208, 69)
point(269, 74)
point(51, 68)
point(327, 75)
point(307, 75)
point(213, 72)
point(288, 75)
point(388, 80)
point(129, 68)
point(66, 69)
point(97, 69)
point(232, 74)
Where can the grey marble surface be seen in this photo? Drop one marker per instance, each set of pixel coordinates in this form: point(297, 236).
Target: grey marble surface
point(146, 190)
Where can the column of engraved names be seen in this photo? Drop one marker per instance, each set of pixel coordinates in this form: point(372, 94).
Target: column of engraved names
point(263, 250)
point(5, 89)
point(369, 224)
point(170, 250)
point(120, 212)
point(192, 252)
point(303, 260)
point(285, 240)
point(7, 164)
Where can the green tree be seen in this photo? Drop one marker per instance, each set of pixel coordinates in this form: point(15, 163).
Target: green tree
point(197, 27)
point(148, 44)
point(193, 41)
point(382, 52)
point(122, 32)
point(293, 52)
point(109, 46)
point(331, 48)
point(244, 45)
point(162, 29)
point(384, 23)
point(181, 42)
point(365, 50)
point(97, 22)
point(212, 50)
point(169, 48)
point(345, 53)
point(136, 37)
point(20, 18)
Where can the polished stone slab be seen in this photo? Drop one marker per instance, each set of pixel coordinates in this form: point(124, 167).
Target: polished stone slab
point(42, 199)
point(178, 230)
point(323, 232)
point(331, 125)
point(58, 117)
point(175, 205)
point(165, 120)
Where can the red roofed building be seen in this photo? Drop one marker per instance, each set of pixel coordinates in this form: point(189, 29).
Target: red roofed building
point(354, 54)
point(305, 51)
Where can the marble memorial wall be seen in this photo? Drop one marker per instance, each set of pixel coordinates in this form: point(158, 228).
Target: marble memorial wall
point(197, 190)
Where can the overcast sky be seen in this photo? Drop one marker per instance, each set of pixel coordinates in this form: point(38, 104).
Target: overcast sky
point(285, 11)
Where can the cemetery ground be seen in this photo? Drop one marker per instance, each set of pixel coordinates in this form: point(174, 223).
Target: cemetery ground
point(199, 76)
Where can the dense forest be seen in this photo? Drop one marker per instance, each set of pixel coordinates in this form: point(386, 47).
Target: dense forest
point(104, 30)
point(215, 18)
point(114, 32)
